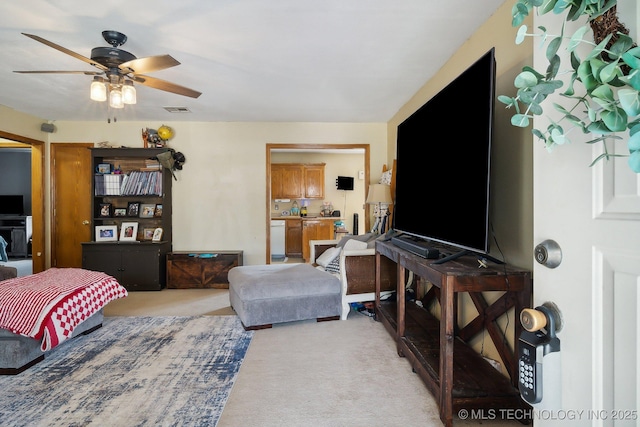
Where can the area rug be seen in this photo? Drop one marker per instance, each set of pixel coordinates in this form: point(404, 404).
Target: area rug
point(134, 371)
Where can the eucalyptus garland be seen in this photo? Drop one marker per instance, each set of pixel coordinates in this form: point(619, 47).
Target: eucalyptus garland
point(608, 102)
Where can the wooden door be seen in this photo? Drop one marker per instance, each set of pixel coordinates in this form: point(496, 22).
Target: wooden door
point(71, 175)
point(593, 213)
point(276, 182)
point(293, 238)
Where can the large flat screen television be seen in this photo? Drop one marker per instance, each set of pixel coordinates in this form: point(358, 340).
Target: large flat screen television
point(443, 164)
point(11, 204)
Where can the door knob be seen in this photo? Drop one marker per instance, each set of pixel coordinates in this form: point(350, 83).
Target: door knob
point(86, 222)
point(548, 253)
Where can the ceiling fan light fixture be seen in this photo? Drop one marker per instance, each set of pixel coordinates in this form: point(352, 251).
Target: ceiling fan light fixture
point(98, 89)
point(128, 92)
point(115, 98)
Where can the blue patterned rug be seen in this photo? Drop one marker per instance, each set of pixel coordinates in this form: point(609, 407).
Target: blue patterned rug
point(134, 371)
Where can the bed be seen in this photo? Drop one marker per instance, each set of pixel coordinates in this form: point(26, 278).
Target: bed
point(41, 311)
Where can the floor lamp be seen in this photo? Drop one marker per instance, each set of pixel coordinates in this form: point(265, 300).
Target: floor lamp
point(379, 194)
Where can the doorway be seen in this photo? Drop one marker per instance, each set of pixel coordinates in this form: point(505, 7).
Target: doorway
point(272, 148)
point(11, 140)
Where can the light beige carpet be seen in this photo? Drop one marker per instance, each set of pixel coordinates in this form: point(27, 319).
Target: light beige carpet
point(338, 373)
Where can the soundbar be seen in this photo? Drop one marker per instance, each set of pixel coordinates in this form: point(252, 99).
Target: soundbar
point(417, 246)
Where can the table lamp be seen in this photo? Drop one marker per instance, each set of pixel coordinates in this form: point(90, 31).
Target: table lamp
point(379, 194)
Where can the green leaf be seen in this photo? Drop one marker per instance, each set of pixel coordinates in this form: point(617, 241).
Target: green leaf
point(560, 6)
point(633, 79)
point(576, 38)
point(518, 14)
point(609, 72)
point(621, 45)
point(520, 120)
point(558, 136)
point(538, 134)
point(525, 79)
point(629, 101)
point(576, 10)
point(603, 92)
point(552, 69)
point(535, 109)
point(575, 61)
point(598, 127)
point(631, 60)
point(634, 128)
point(521, 35)
point(529, 69)
point(570, 91)
point(599, 48)
point(615, 120)
point(634, 142)
point(547, 6)
point(586, 76)
point(553, 47)
point(507, 100)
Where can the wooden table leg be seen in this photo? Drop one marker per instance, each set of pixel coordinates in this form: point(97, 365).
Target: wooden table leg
point(447, 326)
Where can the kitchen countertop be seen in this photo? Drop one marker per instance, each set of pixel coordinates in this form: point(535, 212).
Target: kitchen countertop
point(333, 218)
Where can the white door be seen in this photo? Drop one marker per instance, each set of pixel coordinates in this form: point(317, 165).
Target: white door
point(594, 215)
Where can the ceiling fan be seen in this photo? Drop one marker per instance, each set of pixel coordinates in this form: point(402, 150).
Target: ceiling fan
point(119, 69)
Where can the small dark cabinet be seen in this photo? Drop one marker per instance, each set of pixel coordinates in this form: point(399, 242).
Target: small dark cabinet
point(136, 266)
point(201, 269)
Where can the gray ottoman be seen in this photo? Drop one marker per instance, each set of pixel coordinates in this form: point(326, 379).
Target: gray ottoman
point(265, 294)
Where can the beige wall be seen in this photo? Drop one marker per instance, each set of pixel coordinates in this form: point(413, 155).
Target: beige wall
point(512, 182)
point(512, 157)
point(219, 198)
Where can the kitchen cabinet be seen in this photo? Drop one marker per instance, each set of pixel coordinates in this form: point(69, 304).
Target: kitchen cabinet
point(297, 180)
point(138, 266)
point(315, 229)
point(293, 238)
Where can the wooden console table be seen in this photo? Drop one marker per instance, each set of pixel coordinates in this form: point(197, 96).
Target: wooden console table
point(457, 376)
point(201, 269)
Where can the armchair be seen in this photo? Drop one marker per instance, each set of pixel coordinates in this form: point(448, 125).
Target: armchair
point(357, 272)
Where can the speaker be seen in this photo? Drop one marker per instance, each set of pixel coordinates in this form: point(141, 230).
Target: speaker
point(47, 127)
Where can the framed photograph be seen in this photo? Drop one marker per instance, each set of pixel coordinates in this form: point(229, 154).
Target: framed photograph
point(147, 210)
point(133, 209)
point(106, 233)
point(105, 210)
point(120, 212)
point(103, 168)
point(158, 211)
point(129, 232)
point(147, 233)
point(157, 235)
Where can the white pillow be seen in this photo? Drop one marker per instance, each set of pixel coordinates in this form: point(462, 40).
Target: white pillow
point(328, 256)
point(355, 245)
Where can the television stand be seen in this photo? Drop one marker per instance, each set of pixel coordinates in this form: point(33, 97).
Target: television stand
point(468, 252)
point(438, 348)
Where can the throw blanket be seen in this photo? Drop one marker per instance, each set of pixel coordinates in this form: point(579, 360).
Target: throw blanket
point(49, 305)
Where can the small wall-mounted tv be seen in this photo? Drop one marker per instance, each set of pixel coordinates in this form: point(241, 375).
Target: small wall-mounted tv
point(345, 183)
point(11, 204)
point(443, 163)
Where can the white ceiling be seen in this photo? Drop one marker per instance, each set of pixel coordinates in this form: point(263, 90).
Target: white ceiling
point(253, 60)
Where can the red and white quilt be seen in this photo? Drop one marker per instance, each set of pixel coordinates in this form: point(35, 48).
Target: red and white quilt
point(49, 305)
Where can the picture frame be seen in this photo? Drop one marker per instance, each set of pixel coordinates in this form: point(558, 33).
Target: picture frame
point(129, 232)
point(147, 233)
point(105, 210)
point(103, 168)
point(157, 235)
point(133, 209)
point(106, 233)
point(147, 210)
point(158, 211)
point(120, 212)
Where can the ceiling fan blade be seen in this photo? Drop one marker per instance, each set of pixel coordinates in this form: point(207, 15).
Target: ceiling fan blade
point(166, 86)
point(86, 73)
point(148, 64)
point(67, 51)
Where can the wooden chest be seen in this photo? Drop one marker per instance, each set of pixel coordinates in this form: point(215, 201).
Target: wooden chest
point(206, 269)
